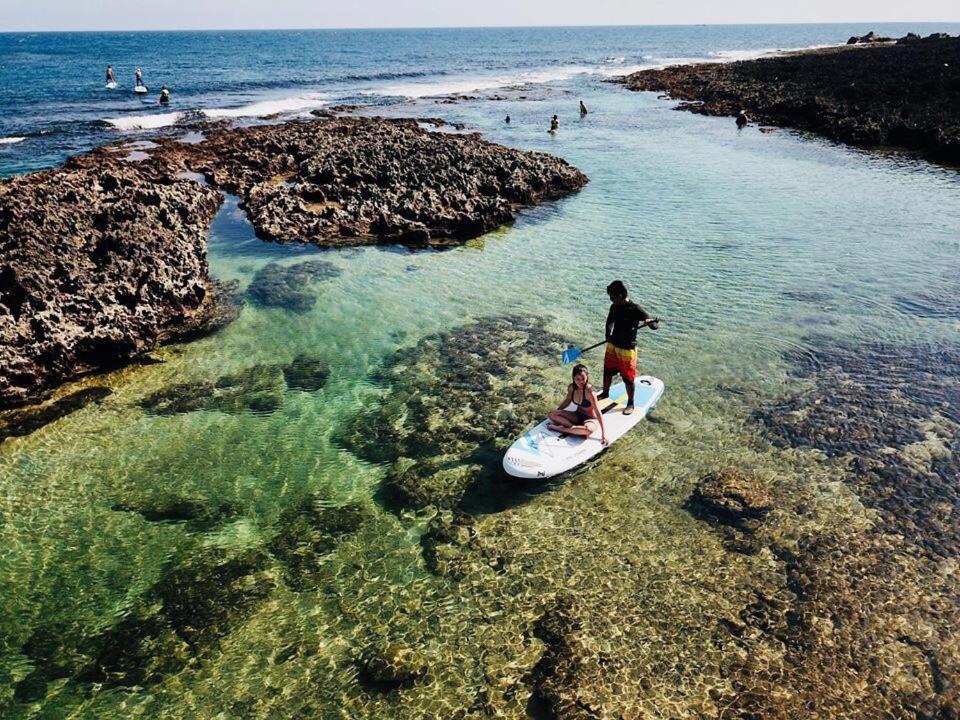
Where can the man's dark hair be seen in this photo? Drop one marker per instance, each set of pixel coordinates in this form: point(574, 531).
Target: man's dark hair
point(617, 289)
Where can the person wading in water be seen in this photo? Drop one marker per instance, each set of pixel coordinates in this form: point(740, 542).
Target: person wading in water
point(623, 321)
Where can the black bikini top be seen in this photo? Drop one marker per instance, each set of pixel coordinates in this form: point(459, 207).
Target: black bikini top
point(584, 400)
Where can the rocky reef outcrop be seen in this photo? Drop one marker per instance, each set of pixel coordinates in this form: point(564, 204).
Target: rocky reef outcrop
point(104, 259)
point(905, 94)
point(360, 181)
point(98, 267)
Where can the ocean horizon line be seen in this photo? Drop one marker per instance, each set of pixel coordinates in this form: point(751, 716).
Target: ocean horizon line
point(401, 28)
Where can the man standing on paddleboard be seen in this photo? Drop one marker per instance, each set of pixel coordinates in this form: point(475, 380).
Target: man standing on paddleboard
point(623, 321)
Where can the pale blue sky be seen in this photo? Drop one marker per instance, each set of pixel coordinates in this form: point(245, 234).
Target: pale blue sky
point(227, 14)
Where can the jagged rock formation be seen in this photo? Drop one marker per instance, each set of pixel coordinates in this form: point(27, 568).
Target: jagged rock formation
point(360, 181)
point(905, 94)
point(98, 267)
point(104, 259)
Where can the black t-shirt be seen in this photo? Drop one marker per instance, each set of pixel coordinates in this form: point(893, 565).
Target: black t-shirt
point(623, 322)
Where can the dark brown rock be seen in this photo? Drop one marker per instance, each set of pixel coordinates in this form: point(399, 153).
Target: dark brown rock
point(98, 267)
point(391, 665)
point(731, 496)
point(870, 37)
point(360, 181)
point(905, 94)
point(104, 260)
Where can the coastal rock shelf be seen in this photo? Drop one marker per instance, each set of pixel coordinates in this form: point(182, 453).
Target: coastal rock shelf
point(905, 94)
point(96, 268)
point(362, 181)
point(106, 258)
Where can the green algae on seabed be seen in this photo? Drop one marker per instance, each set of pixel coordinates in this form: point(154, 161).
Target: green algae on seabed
point(455, 402)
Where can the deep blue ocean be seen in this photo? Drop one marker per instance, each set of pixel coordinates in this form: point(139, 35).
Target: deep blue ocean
point(53, 96)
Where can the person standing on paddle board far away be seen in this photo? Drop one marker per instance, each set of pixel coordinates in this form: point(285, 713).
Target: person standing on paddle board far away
point(110, 77)
point(623, 321)
point(138, 76)
point(579, 413)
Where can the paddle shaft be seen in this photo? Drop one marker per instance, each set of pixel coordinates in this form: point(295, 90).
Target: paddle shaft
point(646, 323)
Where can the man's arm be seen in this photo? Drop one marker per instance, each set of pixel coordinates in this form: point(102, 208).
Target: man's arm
point(645, 319)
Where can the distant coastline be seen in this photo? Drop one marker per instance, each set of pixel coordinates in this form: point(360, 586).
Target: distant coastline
point(898, 94)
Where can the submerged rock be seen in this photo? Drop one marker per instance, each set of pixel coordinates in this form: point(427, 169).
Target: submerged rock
point(289, 286)
point(306, 373)
point(447, 543)
point(880, 95)
point(893, 411)
point(455, 402)
point(391, 665)
point(97, 266)
point(195, 604)
point(175, 507)
point(309, 530)
point(731, 496)
point(25, 421)
point(565, 679)
point(259, 389)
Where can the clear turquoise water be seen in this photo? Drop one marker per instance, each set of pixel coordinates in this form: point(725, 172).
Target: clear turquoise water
point(745, 244)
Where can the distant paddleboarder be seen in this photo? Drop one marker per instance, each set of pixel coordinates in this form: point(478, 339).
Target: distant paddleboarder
point(623, 321)
point(110, 77)
point(138, 77)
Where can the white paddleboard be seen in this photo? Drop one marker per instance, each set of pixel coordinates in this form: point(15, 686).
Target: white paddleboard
point(540, 453)
point(112, 85)
point(140, 89)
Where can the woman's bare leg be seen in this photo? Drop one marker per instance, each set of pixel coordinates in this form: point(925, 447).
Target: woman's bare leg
point(585, 430)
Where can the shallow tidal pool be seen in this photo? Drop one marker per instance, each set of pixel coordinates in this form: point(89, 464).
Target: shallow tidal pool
point(222, 535)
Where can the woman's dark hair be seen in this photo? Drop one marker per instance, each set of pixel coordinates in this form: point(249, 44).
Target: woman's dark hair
point(617, 289)
point(577, 369)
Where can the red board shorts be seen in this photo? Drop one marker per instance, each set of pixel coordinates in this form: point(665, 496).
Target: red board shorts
point(620, 360)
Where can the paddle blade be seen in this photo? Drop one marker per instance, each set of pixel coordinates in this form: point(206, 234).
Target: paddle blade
point(571, 354)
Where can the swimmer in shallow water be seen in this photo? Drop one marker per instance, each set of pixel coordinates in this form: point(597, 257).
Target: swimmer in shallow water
point(554, 124)
point(164, 96)
point(583, 109)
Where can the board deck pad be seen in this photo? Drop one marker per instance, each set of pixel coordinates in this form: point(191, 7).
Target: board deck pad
point(543, 453)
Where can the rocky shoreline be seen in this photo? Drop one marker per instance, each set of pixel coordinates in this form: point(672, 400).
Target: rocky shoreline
point(868, 93)
point(106, 258)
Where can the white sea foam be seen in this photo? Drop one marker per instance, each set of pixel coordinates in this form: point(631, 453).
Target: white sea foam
point(144, 122)
point(735, 55)
point(153, 121)
point(300, 103)
point(11, 140)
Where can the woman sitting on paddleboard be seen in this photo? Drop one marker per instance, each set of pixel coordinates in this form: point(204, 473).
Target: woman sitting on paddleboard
point(579, 413)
